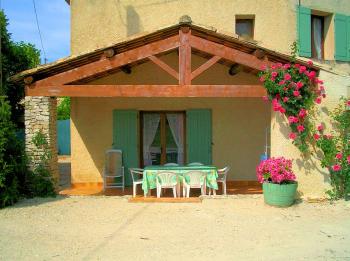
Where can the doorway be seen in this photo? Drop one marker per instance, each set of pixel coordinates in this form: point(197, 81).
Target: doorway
point(162, 138)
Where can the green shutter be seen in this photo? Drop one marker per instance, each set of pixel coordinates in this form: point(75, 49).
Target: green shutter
point(199, 136)
point(341, 37)
point(304, 31)
point(125, 139)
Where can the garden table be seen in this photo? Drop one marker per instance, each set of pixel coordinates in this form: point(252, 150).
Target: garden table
point(150, 172)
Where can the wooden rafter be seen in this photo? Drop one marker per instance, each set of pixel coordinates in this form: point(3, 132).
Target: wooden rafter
point(106, 64)
point(148, 91)
point(185, 56)
point(205, 66)
point(164, 66)
point(227, 53)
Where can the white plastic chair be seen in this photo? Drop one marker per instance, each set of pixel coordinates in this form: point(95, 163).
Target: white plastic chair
point(196, 180)
point(222, 177)
point(113, 171)
point(195, 164)
point(171, 164)
point(166, 179)
point(136, 175)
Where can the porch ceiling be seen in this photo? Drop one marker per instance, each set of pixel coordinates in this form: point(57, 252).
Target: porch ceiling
point(69, 76)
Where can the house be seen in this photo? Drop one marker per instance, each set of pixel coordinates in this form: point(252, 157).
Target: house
point(164, 88)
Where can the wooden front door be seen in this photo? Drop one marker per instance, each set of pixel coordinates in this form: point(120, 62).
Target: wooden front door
point(162, 138)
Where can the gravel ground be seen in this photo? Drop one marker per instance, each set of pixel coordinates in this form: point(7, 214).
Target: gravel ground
point(235, 228)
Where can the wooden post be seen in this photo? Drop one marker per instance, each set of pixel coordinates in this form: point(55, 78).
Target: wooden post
point(185, 56)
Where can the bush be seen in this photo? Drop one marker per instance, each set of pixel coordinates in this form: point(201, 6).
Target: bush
point(12, 158)
point(63, 109)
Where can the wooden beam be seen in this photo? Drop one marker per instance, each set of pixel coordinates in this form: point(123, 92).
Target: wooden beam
point(205, 66)
point(185, 56)
point(227, 53)
point(148, 91)
point(28, 80)
point(109, 53)
point(107, 64)
point(164, 66)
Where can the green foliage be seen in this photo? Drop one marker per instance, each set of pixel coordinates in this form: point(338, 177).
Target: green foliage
point(16, 57)
point(335, 150)
point(12, 158)
point(63, 109)
point(40, 182)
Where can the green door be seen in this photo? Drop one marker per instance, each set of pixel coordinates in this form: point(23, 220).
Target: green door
point(125, 139)
point(199, 136)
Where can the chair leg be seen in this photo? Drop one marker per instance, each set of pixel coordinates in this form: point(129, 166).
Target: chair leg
point(183, 191)
point(158, 192)
point(133, 190)
point(224, 188)
point(174, 192)
point(188, 192)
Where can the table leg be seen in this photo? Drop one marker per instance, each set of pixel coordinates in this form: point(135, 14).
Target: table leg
point(178, 190)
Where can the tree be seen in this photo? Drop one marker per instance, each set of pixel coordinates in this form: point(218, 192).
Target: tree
point(15, 57)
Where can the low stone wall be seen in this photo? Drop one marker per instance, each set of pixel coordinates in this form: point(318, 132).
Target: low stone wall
point(41, 115)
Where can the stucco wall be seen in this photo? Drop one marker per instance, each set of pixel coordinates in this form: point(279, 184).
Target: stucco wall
point(238, 131)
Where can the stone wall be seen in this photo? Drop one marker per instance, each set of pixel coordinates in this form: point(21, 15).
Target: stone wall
point(41, 115)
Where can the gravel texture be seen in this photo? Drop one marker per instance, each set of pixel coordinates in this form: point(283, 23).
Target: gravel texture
point(233, 228)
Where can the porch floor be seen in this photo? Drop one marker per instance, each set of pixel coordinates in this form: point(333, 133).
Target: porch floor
point(233, 188)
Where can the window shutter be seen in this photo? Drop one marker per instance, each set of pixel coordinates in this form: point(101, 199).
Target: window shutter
point(125, 139)
point(304, 31)
point(341, 37)
point(199, 136)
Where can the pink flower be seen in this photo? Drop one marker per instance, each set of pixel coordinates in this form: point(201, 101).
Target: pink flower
point(297, 65)
point(281, 82)
point(282, 110)
point(300, 128)
point(265, 98)
point(262, 79)
point(286, 66)
point(299, 85)
point(275, 170)
point(348, 159)
point(322, 88)
point(274, 67)
point(302, 69)
point(263, 67)
point(336, 167)
point(310, 63)
point(287, 77)
point(339, 156)
point(348, 103)
point(274, 74)
point(292, 135)
point(320, 127)
point(302, 113)
point(311, 75)
point(318, 100)
point(278, 65)
point(276, 105)
point(296, 93)
point(328, 136)
point(293, 119)
point(285, 99)
point(316, 136)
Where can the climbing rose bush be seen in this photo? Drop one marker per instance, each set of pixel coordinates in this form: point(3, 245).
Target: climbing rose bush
point(335, 150)
point(275, 170)
point(293, 90)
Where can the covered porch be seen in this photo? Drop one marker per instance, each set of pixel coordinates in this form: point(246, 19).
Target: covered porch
point(208, 77)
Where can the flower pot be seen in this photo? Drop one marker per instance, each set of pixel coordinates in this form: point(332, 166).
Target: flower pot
point(279, 195)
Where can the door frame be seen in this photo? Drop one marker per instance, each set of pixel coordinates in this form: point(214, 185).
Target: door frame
point(161, 112)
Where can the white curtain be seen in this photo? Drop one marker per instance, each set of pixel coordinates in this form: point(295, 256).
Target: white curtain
point(317, 34)
point(150, 126)
point(176, 125)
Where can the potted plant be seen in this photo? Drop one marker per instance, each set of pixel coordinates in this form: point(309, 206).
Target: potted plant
point(279, 181)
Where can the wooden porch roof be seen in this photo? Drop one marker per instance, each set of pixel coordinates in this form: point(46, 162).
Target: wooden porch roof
point(70, 76)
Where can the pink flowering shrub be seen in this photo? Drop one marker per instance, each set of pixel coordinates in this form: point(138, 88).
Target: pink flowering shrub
point(335, 150)
point(293, 90)
point(275, 170)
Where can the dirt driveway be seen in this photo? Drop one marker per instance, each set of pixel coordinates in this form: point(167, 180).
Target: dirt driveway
point(110, 228)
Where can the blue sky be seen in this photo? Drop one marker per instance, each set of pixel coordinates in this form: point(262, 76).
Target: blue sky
point(54, 22)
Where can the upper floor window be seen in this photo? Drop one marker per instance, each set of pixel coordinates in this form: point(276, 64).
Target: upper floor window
point(317, 37)
point(245, 27)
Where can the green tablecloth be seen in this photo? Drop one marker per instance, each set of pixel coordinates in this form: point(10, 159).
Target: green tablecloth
point(150, 172)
